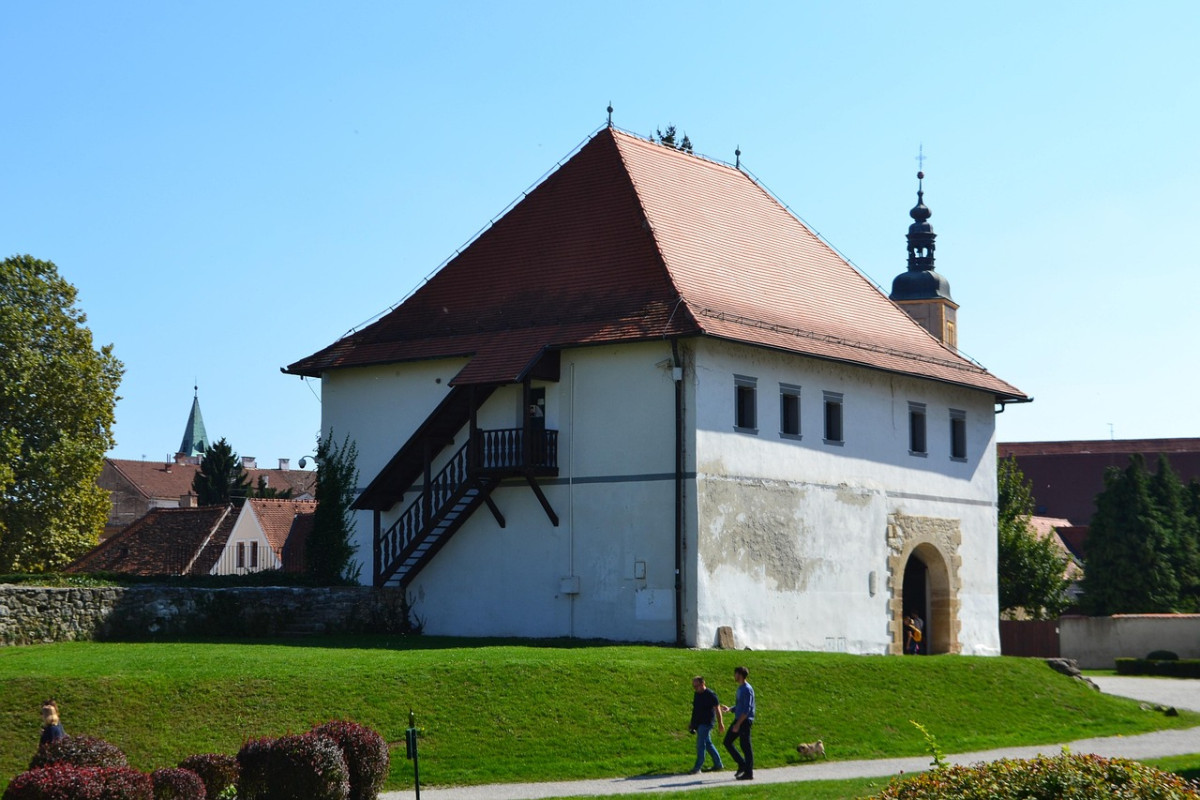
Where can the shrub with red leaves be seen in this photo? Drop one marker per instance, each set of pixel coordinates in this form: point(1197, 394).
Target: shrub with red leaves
point(79, 751)
point(308, 767)
point(366, 755)
point(254, 769)
point(177, 784)
point(63, 781)
point(217, 770)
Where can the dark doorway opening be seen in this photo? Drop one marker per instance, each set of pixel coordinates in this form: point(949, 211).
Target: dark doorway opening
point(916, 595)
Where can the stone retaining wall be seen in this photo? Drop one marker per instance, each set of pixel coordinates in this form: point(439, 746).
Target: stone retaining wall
point(31, 614)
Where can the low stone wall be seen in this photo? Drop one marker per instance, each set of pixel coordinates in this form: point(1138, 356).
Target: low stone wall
point(31, 614)
point(1096, 642)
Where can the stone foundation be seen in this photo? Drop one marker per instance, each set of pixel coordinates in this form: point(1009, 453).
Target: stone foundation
point(33, 614)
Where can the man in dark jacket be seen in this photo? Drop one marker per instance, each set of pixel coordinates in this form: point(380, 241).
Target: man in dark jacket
point(706, 710)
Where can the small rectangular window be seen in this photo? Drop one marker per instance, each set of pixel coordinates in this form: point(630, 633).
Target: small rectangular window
point(745, 404)
point(958, 435)
point(833, 418)
point(916, 429)
point(789, 411)
point(241, 555)
point(253, 554)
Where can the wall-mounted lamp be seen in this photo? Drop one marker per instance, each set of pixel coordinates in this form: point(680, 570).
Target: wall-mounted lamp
point(305, 459)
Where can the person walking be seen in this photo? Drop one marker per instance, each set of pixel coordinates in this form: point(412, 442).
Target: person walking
point(52, 729)
point(743, 721)
point(706, 710)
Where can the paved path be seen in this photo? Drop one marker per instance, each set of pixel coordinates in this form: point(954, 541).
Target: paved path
point(1162, 691)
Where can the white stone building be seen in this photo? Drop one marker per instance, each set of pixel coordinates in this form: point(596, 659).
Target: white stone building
point(648, 402)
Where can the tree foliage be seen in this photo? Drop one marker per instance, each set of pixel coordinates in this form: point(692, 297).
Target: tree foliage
point(667, 139)
point(221, 478)
point(57, 396)
point(1129, 548)
point(1032, 570)
point(329, 551)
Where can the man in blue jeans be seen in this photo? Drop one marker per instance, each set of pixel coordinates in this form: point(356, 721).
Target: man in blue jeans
point(743, 720)
point(706, 709)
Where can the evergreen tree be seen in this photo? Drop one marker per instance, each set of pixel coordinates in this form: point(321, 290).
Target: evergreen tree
point(1032, 570)
point(667, 139)
point(1179, 527)
point(221, 478)
point(329, 551)
point(57, 396)
point(1127, 568)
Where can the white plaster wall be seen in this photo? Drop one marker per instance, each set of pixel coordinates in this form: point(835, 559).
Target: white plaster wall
point(246, 529)
point(614, 410)
point(789, 531)
point(1096, 642)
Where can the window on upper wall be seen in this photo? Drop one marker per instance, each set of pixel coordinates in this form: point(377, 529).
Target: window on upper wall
point(745, 399)
point(916, 429)
point(833, 418)
point(241, 554)
point(253, 553)
point(958, 435)
point(789, 411)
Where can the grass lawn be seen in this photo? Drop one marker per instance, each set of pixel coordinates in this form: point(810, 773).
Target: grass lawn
point(518, 711)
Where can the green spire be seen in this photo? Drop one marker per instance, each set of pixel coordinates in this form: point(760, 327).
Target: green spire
point(195, 438)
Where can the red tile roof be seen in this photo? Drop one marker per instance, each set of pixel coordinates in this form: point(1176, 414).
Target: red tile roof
point(158, 479)
point(279, 517)
point(167, 541)
point(631, 241)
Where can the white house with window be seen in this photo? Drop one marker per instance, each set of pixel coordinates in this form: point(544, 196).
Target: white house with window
point(648, 402)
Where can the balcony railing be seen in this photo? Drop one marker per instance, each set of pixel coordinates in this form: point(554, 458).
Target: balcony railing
point(508, 449)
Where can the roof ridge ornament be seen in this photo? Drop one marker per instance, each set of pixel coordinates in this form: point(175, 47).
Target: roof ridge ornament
point(610, 113)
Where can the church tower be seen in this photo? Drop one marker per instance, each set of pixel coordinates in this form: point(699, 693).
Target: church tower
point(921, 291)
point(195, 438)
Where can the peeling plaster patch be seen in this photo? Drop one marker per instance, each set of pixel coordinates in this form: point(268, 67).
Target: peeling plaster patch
point(755, 528)
point(853, 497)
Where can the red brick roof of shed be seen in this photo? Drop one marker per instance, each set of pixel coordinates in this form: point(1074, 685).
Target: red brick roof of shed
point(630, 241)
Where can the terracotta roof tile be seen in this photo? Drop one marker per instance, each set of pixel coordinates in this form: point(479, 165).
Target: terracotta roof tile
point(277, 518)
point(158, 479)
point(167, 541)
point(628, 241)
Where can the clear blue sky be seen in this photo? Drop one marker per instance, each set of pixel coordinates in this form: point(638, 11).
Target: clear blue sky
point(233, 185)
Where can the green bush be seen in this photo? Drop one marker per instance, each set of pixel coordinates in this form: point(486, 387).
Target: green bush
point(366, 755)
point(1078, 777)
point(217, 770)
point(1163, 655)
point(308, 767)
point(1182, 668)
point(177, 784)
point(79, 751)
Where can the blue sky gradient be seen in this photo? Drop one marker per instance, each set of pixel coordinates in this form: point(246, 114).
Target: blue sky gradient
point(232, 186)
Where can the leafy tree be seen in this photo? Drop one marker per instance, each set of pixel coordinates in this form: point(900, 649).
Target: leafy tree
point(1032, 570)
point(667, 139)
point(329, 549)
point(1128, 568)
point(57, 395)
point(221, 478)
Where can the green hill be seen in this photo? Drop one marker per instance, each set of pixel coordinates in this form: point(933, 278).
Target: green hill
point(504, 711)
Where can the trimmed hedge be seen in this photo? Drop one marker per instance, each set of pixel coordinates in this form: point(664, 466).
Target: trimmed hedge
point(63, 781)
point(307, 767)
point(1166, 668)
point(366, 755)
point(217, 770)
point(79, 751)
point(177, 784)
point(254, 769)
point(1078, 777)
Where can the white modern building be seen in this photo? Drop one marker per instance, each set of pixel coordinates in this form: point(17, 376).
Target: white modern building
point(648, 402)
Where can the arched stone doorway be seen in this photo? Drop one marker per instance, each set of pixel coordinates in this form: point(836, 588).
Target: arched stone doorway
point(923, 565)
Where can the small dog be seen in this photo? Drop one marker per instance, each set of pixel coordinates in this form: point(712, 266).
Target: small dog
point(811, 749)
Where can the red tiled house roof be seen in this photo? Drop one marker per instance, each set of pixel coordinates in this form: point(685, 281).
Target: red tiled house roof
point(157, 479)
point(285, 523)
point(167, 541)
point(631, 241)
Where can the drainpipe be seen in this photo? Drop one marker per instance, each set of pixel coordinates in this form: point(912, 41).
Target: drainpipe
point(677, 376)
